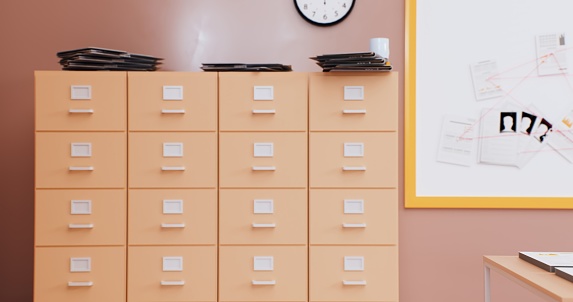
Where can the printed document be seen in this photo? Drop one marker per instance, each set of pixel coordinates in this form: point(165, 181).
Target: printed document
point(457, 141)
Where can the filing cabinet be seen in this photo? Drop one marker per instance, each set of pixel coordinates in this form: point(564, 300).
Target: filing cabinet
point(80, 186)
point(206, 187)
point(353, 202)
point(173, 181)
point(263, 175)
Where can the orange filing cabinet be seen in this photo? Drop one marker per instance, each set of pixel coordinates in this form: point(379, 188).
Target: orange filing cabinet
point(208, 187)
point(80, 186)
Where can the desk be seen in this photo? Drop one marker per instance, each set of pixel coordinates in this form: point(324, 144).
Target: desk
point(545, 284)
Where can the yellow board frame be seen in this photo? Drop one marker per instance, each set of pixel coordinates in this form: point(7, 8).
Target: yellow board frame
point(414, 201)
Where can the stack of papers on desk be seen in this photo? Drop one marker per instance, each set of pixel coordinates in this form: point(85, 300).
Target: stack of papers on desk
point(565, 273)
point(93, 58)
point(358, 61)
point(245, 67)
point(548, 261)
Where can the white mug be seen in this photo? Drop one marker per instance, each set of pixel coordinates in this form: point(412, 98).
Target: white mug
point(381, 46)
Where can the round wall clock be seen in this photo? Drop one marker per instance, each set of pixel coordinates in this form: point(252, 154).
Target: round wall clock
point(324, 12)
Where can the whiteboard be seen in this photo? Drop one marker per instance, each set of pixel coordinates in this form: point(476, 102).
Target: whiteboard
point(522, 49)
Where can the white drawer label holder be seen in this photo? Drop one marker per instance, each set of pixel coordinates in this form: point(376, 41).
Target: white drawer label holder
point(172, 93)
point(172, 149)
point(81, 149)
point(353, 206)
point(81, 207)
point(81, 92)
point(263, 206)
point(172, 206)
point(354, 93)
point(78, 265)
point(353, 149)
point(172, 264)
point(263, 150)
point(263, 93)
point(353, 263)
point(263, 263)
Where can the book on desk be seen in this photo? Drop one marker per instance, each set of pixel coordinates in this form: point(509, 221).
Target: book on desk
point(548, 260)
point(565, 273)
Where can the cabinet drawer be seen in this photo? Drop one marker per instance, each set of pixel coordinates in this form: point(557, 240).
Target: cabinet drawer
point(353, 273)
point(80, 217)
point(80, 160)
point(263, 160)
point(263, 216)
point(350, 160)
point(263, 101)
point(87, 274)
point(184, 273)
point(173, 216)
point(353, 102)
point(263, 273)
point(172, 160)
point(80, 100)
point(368, 216)
point(172, 101)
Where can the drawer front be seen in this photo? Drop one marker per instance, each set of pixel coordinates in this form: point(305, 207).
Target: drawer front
point(172, 101)
point(173, 216)
point(263, 216)
point(81, 160)
point(80, 100)
point(353, 273)
point(367, 216)
point(263, 101)
point(350, 160)
point(263, 160)
point(263, 273)
point(87, 274)
point(80, 217)
point(184, 273)
point(351, 102)
point(172, 160)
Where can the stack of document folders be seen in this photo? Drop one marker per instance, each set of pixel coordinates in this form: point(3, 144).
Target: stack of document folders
point(94, 58)
point(245, 67)
point(357, 61)
point(561, 263)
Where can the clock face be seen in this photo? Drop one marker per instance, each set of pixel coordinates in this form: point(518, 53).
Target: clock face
point(324, 12)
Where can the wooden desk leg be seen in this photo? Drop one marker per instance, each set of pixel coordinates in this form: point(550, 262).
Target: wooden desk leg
point(486, 284)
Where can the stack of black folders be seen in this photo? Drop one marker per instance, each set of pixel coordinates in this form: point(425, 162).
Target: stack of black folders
point(245, 67)
point(356, 61)
point(94, 58)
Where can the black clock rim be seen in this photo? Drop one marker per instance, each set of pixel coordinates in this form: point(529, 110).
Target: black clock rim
point(324, 24)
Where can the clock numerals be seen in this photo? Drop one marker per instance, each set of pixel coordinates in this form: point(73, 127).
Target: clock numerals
point(323, 12)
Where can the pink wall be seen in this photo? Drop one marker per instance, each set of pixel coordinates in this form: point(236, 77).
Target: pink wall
point(440, 250)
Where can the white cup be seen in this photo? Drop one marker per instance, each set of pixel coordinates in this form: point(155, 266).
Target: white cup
point(381, 46)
